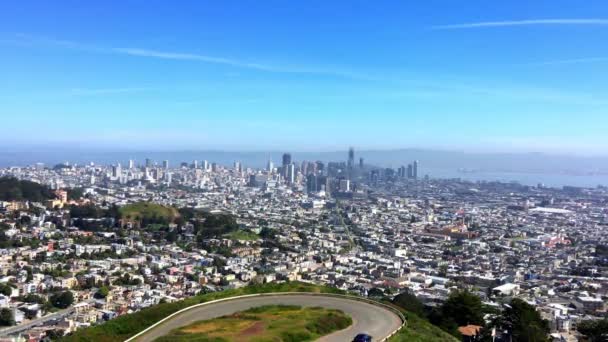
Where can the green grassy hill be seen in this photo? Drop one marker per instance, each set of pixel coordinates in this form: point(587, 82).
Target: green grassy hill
point(421, 330)
point(147, 211)
point(266, 323)
point(241, 235)
point(123, 327)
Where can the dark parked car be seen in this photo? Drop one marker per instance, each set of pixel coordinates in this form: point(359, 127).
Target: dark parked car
point(362, 338)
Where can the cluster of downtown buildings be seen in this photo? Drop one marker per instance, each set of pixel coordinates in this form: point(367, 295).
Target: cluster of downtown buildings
point(343, 224)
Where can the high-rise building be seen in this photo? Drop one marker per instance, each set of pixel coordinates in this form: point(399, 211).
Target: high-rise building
point(311, 183)
point(401, 172)
point(415, 169)
point(350, 164)
point(286, 159)
point(270, 166)
point(237, 166)
point(214, 167)
point(351, 158)
point(156, 174)
point(329, 188)
point(361, 163)
point(148, 162)
point(410, 171)
point(116, 171)
point(312, 168)
point(304, 167)
point(195, 164)
point(205, 165)
point(374, 176)
point(131, 164)
point(165, 164)
point(320, 166)
point(291, 173)
point(344, 185)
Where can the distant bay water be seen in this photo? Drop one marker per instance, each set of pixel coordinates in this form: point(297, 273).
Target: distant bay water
point(528, 169)
point(525, 178)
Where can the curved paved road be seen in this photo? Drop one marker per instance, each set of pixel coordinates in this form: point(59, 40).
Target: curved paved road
point(372, 319)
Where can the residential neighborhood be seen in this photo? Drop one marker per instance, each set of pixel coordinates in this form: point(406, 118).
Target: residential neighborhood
point(106, 241)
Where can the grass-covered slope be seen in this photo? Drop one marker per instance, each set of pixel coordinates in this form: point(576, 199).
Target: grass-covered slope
point(148, 211)
point(123, 327)
point(242, 235)
point(421, 330)
point(279, 323)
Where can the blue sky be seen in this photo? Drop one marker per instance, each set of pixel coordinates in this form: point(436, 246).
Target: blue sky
point(305, 75)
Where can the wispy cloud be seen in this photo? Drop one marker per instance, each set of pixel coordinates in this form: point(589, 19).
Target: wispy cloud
point(29, 40)
point(237, 63)
point(104, 91)
point(529, 22)
point(571, 61)
point(189, 57)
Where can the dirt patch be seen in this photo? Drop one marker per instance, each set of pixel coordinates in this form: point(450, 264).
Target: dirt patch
point(214, 327)
point(255, 329)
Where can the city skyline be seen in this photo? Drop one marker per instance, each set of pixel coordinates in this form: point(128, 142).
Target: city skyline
point(466, 77)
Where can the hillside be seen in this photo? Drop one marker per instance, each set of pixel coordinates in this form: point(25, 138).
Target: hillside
point(265, 323)
point(123, 327)
point(148, 213)
point(12, 189)
point(421, 330)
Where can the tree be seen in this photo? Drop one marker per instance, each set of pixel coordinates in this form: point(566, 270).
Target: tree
point(375, 292)
point(6, 317)
point(75, 193)
point(171, 236)
point(218, 262)
point(524, 322)
point(102, 292)
point(62, 300)
point(461, 308)
point(268, 233)
point(6, 289)
point(31, 298)
point(595, 330)
point(408, 301)
point(12, 189)
point(54, 335)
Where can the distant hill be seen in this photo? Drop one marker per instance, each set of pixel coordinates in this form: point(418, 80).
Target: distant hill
point(12, 189)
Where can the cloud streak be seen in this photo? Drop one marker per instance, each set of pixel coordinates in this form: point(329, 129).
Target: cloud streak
point(137, 52)
point(28, 40)
point(105, 91)
point(529, 22)
point(571, 61)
